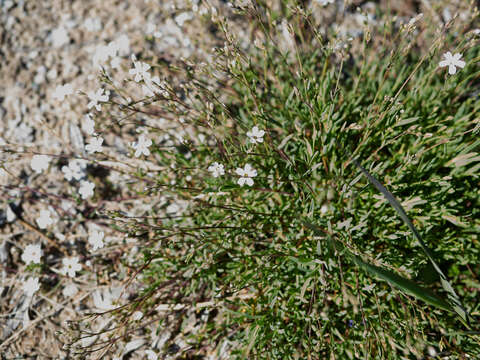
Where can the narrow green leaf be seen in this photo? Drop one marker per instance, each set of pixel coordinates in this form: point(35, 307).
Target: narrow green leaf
point(452, 296)
point(406, 285)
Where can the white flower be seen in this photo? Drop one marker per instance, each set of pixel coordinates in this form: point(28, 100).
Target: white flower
point(88, 125)
point(216, 169)
point(75, 169)
point(40, 163)
point(95, 145)
point(325, 2)
point(31, 286)
point(61, 91)
point(96, 97)
point(45, 219)
point(86, 189)
point(142, 146)
point(32, 254)
point(256, 135)
point(151, 355)
point(452, 61)
point(96, 239)
point(69, 290)
point(140, 70)
point(246, 175)
point(70, 266)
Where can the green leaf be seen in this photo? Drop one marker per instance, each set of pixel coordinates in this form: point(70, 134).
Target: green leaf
point(406, 285)
point(452, 296)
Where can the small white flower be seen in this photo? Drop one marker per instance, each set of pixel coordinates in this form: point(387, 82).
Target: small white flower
point(96, 97)
point(31, 286)
point(32, 254)
point(39, 163)
point(61, 91)
point(255, 135)
point(45, 219)
point(75, 169)
point(216, 169)
point(325, 2)
point(452, 61)
point(86, 189)
point(70, 290)
point(88, 125)
point(246, 175)
point(96, 239)
point(140, 70)
point(142, 146)
point(95, 145)
point(70, 266)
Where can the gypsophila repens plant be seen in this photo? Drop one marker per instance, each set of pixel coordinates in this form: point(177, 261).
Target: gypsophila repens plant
point(310, 193)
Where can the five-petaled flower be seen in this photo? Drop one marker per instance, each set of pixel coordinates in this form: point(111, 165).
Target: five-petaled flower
point(96, 239)
point(32, 254)
point(45, 219)
point(255, 135)
point(140, 70)
point(94, 145)
point(452, 61)
point(31, 286)
point(96, 97)
point(142, 146)
point(40, 163)
point(246, 175)
point(216, 169)
point(70, 266)
point(86, 189)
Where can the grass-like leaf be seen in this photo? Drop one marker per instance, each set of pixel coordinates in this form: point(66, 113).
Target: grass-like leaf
point(403, 284)
point(452, 296)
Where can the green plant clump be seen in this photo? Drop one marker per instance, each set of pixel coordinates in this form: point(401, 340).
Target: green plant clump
point(306, 258)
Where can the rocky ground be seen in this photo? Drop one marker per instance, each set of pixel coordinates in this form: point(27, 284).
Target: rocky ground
point(47, 44)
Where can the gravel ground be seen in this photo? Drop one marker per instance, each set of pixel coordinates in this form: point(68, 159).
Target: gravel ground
point(45, 44)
